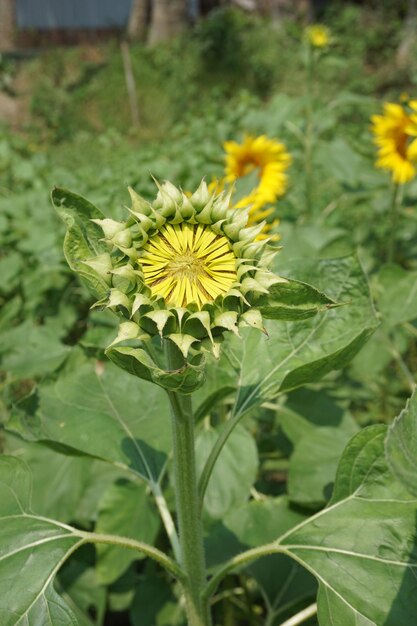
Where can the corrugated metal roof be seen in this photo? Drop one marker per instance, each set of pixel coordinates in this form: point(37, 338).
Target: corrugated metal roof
point(52, 14)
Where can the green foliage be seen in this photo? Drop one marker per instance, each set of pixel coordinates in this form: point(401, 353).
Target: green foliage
point(108, 403)
point(401, 444)
point(28, 593)
point(313, 463)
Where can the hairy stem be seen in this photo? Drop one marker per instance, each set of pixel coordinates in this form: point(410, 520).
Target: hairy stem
point(144, 548)
point(189, 519)
point(239, 561)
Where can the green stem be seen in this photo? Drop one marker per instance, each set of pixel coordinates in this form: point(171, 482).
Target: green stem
point(144, 548)
point(239, 561)
point(189, 519)
point(167, 520)
point(401, 364)
point(397, 197)
point(302, 616)
point(309, 131)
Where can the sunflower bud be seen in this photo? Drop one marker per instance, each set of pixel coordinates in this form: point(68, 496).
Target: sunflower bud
point(183, 270)
point(198, 268)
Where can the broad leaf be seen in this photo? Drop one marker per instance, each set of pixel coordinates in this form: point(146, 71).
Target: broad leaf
point(339, 160)
point(296, 353)
point(234, 473)
point(401, 445)
point(49, 609)
point(319, 428)
point(313, 464)
point(307, 409)
point(77, 583)
point(362, 548)
point(396, 292)
point(66, 480)
point(220, 382)
point(110, 416)
point(334, 611)
point(125, 509)
point(32, 550)
point(154, 604)
point(282, 581)
point(30, 350)
point(83, 238)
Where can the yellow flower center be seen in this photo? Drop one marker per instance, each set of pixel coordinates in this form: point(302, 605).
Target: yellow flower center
point(186, 263)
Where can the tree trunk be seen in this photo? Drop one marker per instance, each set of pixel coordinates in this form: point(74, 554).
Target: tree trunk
point(168, 18)
point(7, 25)
point(409, 37)
point(278, 10)
point(136, 27)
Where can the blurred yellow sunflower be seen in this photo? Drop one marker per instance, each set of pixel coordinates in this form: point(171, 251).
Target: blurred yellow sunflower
point(395, 135)
point(318, 35)
point(270, 160)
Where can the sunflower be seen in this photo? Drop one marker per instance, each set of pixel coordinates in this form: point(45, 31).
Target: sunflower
point(270, 160)
point(268, 157)
point(188, 263)
point(185, 267)
point(318, 35)
point(395, 133)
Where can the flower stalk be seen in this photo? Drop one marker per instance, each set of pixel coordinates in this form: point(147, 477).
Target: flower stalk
point(309, 133)
point(309, 128)
point(188, 514)
point(396, 202)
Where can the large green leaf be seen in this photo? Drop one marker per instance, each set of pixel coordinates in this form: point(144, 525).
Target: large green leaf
point(77, 583)
point(319, 428)
point(83, 238)
point(396, 292)
point(313, 464)
point(296, 353)
point(66, 480)
point(154, 603)
point(402, 445)
point(32, 550)
point(235, 470)
point(282, 581)
point(31, 350)
point(334, 611)
point(307, 409)
point(108, 415)
point(339, 160)
point(362, 548)
point(125, 509)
